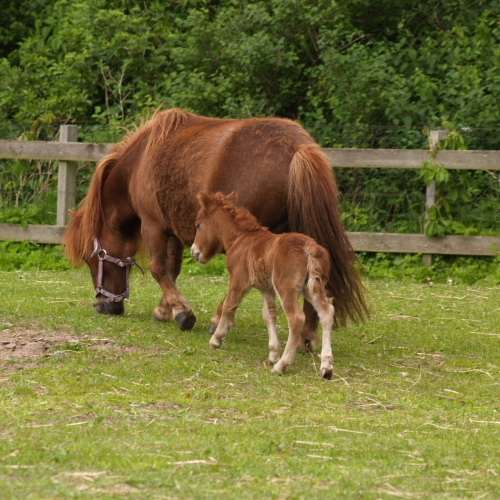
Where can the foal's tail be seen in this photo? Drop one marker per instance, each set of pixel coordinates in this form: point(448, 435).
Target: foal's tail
point(318, 269)
point(313, 209)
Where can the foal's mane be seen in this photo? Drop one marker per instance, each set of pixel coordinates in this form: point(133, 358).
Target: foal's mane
point(243, 219)
point(87, 221)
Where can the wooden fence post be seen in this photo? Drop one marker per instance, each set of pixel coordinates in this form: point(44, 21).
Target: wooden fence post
point(66, 183)
point(430, 193)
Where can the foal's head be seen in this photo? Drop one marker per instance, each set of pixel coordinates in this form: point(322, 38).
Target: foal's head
point(211, 221)
point(218, 223)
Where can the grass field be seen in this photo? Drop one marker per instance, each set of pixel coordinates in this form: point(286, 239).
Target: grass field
point(123, 407)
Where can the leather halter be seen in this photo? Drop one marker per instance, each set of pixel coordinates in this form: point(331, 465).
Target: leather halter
point(126, 263)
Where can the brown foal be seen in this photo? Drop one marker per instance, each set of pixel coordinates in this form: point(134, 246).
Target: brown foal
point(286, 265)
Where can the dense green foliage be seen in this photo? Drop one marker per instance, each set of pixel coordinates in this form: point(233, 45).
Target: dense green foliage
point(352, 62)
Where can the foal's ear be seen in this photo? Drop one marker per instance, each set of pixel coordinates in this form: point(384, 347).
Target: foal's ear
point(231, 197)
point(203, 198)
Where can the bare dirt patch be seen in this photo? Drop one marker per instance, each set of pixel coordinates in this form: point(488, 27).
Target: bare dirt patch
point(22, 347)
point(23, 344)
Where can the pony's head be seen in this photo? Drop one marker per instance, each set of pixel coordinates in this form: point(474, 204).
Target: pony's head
point(91, 238)
point(109, 269)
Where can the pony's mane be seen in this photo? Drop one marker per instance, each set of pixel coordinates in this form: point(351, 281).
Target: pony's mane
point(87, 221)
point(243, 219)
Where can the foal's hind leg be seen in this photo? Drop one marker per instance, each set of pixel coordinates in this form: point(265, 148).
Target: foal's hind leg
point(269, 315)
point(325, 311)
point(296, 317)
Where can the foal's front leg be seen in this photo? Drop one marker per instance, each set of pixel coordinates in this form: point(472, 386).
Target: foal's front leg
point(216, 318)
point(233, 298)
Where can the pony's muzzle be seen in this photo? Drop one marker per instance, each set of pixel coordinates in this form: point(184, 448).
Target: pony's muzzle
point(196, 254)
point(103, 306)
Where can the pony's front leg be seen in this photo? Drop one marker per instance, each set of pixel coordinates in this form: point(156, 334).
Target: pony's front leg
point(229, 305)
point(269, 315)
point(165, 261)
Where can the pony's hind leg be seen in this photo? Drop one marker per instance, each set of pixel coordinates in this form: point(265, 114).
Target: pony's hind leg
point(325, 310)
point(308, 336)
point(296, 317)
point(269, 315)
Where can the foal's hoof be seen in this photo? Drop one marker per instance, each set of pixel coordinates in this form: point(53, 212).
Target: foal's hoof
point(212, 329)
point(214, 342)
point(326, 373)
point(279, 368)
point(185, 320)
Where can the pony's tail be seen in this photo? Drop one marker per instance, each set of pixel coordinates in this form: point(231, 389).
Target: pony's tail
point(313, 209)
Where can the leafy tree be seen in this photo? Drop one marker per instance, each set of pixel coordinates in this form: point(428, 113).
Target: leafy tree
point(356, 62)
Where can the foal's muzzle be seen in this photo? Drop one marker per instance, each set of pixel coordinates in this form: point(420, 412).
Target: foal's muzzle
point(196, 254)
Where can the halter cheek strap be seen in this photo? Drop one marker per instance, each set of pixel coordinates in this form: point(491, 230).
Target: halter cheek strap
point(127, 263)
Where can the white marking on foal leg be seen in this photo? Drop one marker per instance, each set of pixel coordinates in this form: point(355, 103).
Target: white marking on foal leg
point(296, 319)
point(220, 333)
point(325, 311)
point(326, 319)
point(269, 315)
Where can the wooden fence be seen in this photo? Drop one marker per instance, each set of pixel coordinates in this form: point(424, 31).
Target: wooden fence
point(68, 152)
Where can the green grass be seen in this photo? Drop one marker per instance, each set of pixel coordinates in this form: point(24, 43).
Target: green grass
point(123, 407)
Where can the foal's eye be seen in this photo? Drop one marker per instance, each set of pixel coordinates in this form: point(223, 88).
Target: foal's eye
point(197, 225)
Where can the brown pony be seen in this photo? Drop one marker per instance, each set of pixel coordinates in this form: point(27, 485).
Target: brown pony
point(288, 265)
point(145, 190)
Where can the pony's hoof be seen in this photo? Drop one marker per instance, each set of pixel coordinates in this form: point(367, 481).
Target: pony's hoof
point(212, 329)
point(161, 314)
point(326, 373)
point(185, 320)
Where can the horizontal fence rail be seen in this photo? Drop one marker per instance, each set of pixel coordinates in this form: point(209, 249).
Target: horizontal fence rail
point(342, 157)
point(412, 158)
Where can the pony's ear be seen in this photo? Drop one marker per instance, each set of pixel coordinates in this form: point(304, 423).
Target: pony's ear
point(231, 197)
point(203, 198)
point(72, 213)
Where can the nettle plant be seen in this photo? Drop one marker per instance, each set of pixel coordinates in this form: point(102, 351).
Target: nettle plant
point(453, 189)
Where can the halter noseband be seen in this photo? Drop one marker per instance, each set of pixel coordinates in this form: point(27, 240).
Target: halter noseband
point(126, 263)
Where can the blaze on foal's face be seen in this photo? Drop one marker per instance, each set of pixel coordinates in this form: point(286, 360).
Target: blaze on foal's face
point(207, 243)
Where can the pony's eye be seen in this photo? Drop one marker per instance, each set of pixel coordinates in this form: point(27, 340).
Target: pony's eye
point(197, 225)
